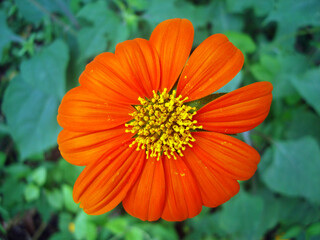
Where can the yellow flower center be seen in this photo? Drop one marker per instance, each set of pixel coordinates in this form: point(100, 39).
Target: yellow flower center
point(163, 125)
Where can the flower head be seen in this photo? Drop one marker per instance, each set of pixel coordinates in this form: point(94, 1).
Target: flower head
point(142, 141)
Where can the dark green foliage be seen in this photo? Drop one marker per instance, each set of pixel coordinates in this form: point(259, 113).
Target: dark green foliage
point(44, 47)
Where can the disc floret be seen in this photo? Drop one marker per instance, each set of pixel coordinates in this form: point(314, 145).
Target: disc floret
point(163, 125)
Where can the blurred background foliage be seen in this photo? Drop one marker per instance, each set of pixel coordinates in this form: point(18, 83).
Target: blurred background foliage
point(45, 45)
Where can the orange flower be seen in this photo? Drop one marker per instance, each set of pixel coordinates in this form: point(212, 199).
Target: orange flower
point(142, 145)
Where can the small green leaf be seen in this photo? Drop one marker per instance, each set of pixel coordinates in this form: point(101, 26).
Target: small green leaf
point(292, 232)
point(139, 5)
point(84, 229)
point(314, 230)
point(68, 200)
point(18, 170)
point(134, 233)
point(267, 69)
point(55, 198)
point(64, 220)
point(31, 192)
point(39, 176)
point(242, 41)
point(163, 231)
point(117, 225)
point(61, 235)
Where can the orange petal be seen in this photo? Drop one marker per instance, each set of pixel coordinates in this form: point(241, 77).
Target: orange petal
point(226, 155)
point(211, 66)
point(183, 197)
point(82, 148)
point(103, 185)
point(215, 187)
point(146, 198)
point(238, 111)
point(106, 78)
point(140, 61)
point(173, 40)
point(81, 110)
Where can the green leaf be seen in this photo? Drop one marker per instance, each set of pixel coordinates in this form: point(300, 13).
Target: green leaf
point(159, 11)
point(35, 10)
point(240, 216)
point(293, 169)
point(55, 198)
point(308, 86)
point(302, 123)
point(4, 129)
point(314, 230)
point(84, 229)
point(162, 231)
point(98, 13)
point(292, 232)
point(297, 211)
point(64, 172)
point(68, 199)
point(205, 224)
point(29, 11)
point(44, 208)
point(279, 69)
point(139, 5)
point(271, 211)
point(60, 235)
point(46, 70)
point(117, 225)
point(267, 69)
point(6, 34)
point(31, 192)
point(134, 233)
point(260, 7)
point(18, 171)
point(92, 41)
point(12, 196)
point(284, 11)
point(222, 20)
point(31, 100)
point(39, 176)
point(64, 220)
point(242, 41)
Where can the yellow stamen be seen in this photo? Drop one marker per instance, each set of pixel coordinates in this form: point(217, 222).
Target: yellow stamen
point(163, 125)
